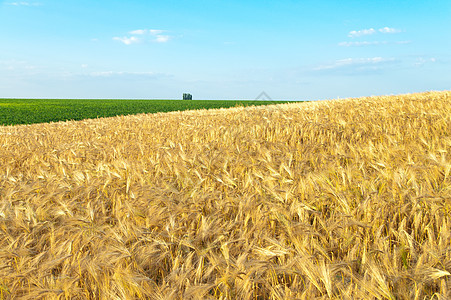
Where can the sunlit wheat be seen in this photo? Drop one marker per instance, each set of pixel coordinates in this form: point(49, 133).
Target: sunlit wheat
point(342, 199)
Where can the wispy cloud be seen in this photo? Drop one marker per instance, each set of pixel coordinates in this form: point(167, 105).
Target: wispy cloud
point(357, 33)
point(138, 31)
point(421, 61)
point(153, 35)
point(359, 44)
point(372, 43)
point(356, 64)
point(127, 40)
point(23, 3)
point(389, 30)
point(364, 32)
point(162, 38)
point(126, 75)
point(156, 31)
point(159, 37)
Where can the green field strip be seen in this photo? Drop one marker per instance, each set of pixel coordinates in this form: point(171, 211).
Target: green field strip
point(30, 111)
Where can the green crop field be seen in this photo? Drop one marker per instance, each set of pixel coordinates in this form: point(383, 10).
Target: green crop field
point(29, 111)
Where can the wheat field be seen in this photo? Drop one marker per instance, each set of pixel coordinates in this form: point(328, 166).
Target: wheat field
point(339, 199)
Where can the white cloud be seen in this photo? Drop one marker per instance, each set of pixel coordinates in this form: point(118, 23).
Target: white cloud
point(357, 33)
point(363, 32)
point(421, 61)
point(155, 31)
point(162, 38)
point(372, 43)
point(354, 62)
point(23, 3)
point(127, 40)
point(138, 31)
point(389, 30)
point(154, 35)
point(84, 66)
point(359, 44)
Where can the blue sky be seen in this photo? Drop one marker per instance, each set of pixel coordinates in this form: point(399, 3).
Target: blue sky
point(216, 49)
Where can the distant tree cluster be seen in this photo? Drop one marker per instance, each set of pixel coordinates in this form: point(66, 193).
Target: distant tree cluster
point(187, 96)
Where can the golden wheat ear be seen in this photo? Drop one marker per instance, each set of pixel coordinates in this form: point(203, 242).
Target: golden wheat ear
point(342, 199)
